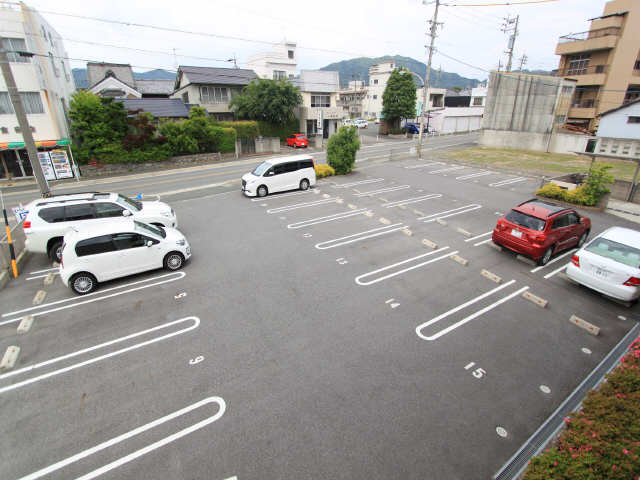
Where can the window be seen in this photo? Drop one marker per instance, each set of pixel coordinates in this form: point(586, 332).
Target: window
point(375, 97)
point(290, 167)
point(107, 210)
point(279, 169)
point(320, 100)
point(52, 215)
point(560, 119)
point(4, 130)
point(290, 53)
point(53, 65)
point(567, 89)
point(185, 97)
point(636, 66)
point(619, 252)
point(560, 222)
point(94, 246)
point(375, 82)
point(573, 218)
point(82, 211)
point(5, 103)
point(124, 241)
point(16, 45)
point(477, 101)
point(32, 102)
point(526, 221)
point(631, 119)
point(214, 95)
point(578, 64)
point(279, 75)
point(599, 68)
point(306, 164)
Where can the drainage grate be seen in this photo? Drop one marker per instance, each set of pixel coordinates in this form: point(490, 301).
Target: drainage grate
point(518, 462)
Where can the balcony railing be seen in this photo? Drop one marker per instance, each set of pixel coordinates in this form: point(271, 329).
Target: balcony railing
point(591, 103)
point(590, 70)
point(600, 32)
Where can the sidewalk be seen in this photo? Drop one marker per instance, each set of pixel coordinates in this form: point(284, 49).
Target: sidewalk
point(628, 211)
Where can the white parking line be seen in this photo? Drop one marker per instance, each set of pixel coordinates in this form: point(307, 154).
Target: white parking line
point(411, 167)
point(379, 279)
point(450, 213)
point(573, 250)
point(450, 169)
point(46, 270)
point(382, 190)
point(136, 431)
point(467, 319)
point(361, 182)
point(195, 320)
point(360, 236)
point(508, 181)
point(556, 271)
point(474, 175)
point(479, 236)
point(277, 196)
point(328, 218)
point(409, 201)
point(482, 242)
point(80, 301)
point(296, 206)
point(42, 276)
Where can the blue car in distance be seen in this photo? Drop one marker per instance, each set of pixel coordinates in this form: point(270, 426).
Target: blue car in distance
point(412, 128)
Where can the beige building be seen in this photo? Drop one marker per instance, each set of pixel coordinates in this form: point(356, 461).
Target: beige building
point(319, 113)
point(605, 62)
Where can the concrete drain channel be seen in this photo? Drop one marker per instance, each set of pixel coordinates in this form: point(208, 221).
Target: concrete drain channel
point(514, 467)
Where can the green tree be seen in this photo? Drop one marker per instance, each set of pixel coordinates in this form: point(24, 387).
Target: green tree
point(342, 148)
point(267, 100)
point(596, 181)
point(399, 97)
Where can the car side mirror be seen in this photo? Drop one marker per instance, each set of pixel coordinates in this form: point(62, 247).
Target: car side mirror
point(149, 243)
point(270, 174)
point(126, 213)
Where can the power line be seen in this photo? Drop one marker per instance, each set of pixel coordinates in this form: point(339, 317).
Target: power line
point(499, 4)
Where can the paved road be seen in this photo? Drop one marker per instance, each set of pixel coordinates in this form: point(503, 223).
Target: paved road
point(307, 338)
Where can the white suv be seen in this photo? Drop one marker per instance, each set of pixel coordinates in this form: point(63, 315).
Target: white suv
point(105, 251)
point(50, 218)
point(279, 175)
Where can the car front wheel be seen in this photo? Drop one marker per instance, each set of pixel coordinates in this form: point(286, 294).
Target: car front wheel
point(544, 259)
point(262, 191)
point(583, 238)
point(173, 261)
point(304, 184)
point(55, 251)
point(83, 283)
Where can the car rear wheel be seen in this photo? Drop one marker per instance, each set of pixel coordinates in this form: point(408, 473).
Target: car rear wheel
point(83, 283)
point(304, 184)
point(262, 191)
point(55, 251)
point(173, 261)
point(544, 259)
point(583, 238)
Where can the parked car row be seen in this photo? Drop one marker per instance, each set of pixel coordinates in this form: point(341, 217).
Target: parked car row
point(358, 123)
point(100, 236)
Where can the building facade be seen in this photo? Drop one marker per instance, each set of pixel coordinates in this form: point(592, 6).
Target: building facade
point(211, 88)
point(352, 99)
point(45, 84)
point(319, 113)
point(604, 61)
point(621, 122)
point(279, 64)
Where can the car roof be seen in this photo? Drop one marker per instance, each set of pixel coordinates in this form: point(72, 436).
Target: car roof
point(292, 158)
point(95, 229)
point(538, 208)
point(626, 236)
point(68, 198)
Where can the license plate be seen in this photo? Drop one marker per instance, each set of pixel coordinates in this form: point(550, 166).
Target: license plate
point(516, 233)
point(601, 273)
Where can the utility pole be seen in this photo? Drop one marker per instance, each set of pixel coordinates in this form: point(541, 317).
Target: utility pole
point(513, 31)
point(22, 119)
point(432, 33)
point(440, 77)
point(499, 65)
point(523, 60)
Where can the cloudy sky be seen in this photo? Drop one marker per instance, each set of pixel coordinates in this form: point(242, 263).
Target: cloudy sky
point(327, 31)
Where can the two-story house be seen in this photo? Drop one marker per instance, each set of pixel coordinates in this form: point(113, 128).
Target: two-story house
point(211, 88)
point(319, 113)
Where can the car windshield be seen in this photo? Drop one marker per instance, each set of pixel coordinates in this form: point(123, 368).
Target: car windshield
point(260, 169)
point(526, 221)
point(618, 252)
point(301, 137)
point(150, 229)
point(129, 203)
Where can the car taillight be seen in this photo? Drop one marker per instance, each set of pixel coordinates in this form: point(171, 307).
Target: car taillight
point(26, 224)
point(537, 238)
point(575, 260)
point(632, 282)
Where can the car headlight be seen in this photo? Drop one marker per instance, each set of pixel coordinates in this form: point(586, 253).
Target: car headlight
point(181, 242)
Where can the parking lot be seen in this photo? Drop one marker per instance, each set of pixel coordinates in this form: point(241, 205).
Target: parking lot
point(343, 332)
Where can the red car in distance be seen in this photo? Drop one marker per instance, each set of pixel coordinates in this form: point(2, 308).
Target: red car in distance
point(298, 140)
point(539, 229)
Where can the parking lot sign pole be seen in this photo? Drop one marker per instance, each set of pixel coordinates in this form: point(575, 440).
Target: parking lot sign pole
point(12, 252)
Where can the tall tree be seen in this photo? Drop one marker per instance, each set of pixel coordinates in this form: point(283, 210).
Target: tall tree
point(268, 100)
point(399, 97)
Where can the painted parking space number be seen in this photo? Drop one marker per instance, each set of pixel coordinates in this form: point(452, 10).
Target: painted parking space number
point(342, 261)
point(180, 295)
point(478, 372)
point(195, 361)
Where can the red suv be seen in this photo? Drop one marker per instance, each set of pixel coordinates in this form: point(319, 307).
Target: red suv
point(539, 229)
point(297, 140)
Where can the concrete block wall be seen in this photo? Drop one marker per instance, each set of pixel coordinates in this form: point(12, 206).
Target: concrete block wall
point(560, 142)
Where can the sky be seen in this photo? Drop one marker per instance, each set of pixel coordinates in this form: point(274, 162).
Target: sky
point(325, 32)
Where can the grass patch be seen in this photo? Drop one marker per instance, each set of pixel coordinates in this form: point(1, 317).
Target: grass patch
point(549, 164)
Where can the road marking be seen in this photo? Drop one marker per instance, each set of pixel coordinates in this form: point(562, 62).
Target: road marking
point(382, 190)
point(356, 237)
point(408, 201)
point(554, 260)
point(411, 167)
point(545, 389)
point(479, 236)
point(556, 271)
point(342, 261)
point(470, 317)
point(362, 182)
point(132, 433)
point(296, 206)
point(445, 170)
point(192, 189)
point(42, 271)
point(277, 196)
point(180, 295)
point(586, 351)
point(175, 275)
point(508, 181)
point(501, 431)
point(195, 361)
point(44, 275)
point(379, 279)
point(482, 242)
point(450, 213)
point(474, 175)
point(195, 320)
point(328, 218)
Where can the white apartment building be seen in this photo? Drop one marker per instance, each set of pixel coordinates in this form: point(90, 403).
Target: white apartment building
point(478, 96)
point(45, 84)
point(378, 77)
point(319, 113)
point(279, 64)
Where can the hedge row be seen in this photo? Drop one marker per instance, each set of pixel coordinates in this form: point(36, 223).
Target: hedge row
point(281, 131)
point(579, 196)
point(602, 440)
point(243, 128)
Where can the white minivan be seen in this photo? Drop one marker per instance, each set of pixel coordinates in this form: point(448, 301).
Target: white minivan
point(105, 251)
point(279, 175)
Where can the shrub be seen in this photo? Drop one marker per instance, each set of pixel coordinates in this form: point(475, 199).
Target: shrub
point(324, 170)
point(243, 128)
point(596, 182)
point(601, 440)
point(224, 139)
point(551, 190)
point(281, 131)
point(342, 148)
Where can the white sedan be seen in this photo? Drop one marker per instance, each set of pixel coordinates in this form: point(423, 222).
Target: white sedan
point(610, 264)
point(360, 123)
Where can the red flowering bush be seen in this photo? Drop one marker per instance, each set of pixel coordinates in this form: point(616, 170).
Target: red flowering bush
point(601, 441)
